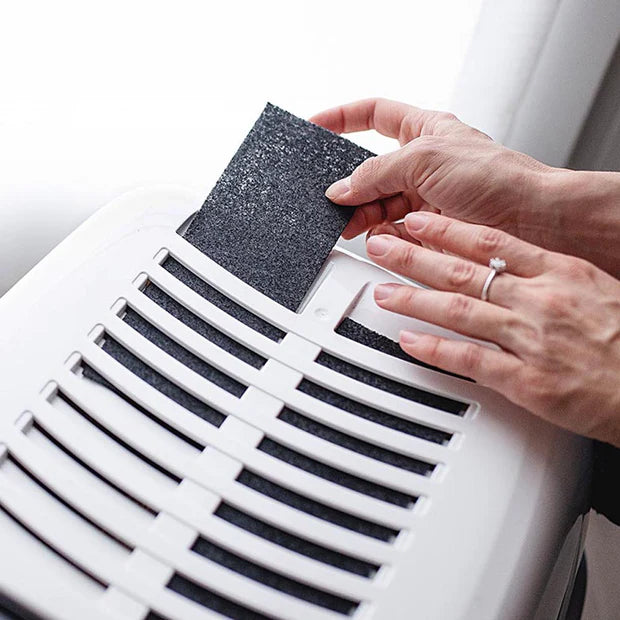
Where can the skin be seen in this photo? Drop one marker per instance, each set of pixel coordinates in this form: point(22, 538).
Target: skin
point(555, 317)
point(447, 167)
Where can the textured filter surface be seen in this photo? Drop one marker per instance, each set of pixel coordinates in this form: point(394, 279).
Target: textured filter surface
point(359, 333)
point(383, 383)
point(267, 220)
point(295, 543)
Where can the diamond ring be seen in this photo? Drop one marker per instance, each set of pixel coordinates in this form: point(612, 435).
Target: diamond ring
point(497, 265)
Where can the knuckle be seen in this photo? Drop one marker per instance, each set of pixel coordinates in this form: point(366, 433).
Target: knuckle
point(405, 297)
point(433, 349)
point(439, 229)
point(458, 308)
point(407, 256)
point(577, 268)
point(446, 117)
point(556, 304)
point(367, 170)
point(471, 356)
point(542, 388)
point(426, 144)
point(460, 273)
point(489, 240)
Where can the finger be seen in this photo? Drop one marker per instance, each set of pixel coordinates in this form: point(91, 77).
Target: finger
point(392, 119)
point(478, 243)
point(385, 116)
point(494, 369)
point(441, 271)
point(459, 313)
point(390, 228)
point(374, 213)
point(382, 176)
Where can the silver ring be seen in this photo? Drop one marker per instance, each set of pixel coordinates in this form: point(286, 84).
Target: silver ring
point(497, 265)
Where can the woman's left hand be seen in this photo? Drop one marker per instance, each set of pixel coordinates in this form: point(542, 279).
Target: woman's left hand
point(556, 319)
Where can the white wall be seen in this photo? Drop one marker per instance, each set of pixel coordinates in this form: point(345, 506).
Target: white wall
point(99, 98)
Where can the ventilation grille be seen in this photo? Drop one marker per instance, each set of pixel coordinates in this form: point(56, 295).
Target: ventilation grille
point(214, 457)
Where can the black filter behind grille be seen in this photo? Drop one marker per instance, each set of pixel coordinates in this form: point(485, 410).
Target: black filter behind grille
point(388, 385)
point(211, 294)
point(317, 509)
point(267, 220)
point(62, 396)
point(210, 599)
point(271, 578)
point(158, 381)
point(353, 443)
point(203, 328)
point(180, 353)
point(337, 476)
point(370, 413)
point(359, 333)
point(295, 543)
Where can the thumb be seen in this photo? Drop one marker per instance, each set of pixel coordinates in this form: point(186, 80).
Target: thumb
point(377, 177)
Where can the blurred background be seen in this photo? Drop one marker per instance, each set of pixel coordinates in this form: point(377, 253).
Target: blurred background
point(98, 98)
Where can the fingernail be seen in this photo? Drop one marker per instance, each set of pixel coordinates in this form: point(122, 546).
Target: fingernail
point(383, 291)
point(379, 245)
point(338, 189)
point(408, 337)
point(416, 221)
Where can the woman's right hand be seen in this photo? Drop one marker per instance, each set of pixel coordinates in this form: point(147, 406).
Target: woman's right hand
point(447, 167)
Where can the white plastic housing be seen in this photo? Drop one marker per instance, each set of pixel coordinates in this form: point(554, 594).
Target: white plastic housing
point(481, 541)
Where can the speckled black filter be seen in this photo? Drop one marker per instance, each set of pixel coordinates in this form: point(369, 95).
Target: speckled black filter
point(360, 333)
point(267, 219)
point(295, 543)
point(271, 578)
point(337, 476)
point(376, 380)
point(209, 598)
point(268, 222)
point(313, 507)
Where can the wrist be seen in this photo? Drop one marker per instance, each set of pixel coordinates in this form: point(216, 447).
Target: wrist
point(578, 213)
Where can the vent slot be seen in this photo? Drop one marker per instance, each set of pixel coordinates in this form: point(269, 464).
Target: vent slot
point(272, 579)
point(93, 374)
point(180, 353)
point(363, 335)
point(78, 410)
point(194, 322)
point(55, 551)
point(336, 476)
point(370, 413)
point(393, 387)
point(38, 428)
point(317, 509)
point(159, 382)
point(45, 489)
point(211, 294)
point(208, 598)
point(295, 543)
point(353, 443)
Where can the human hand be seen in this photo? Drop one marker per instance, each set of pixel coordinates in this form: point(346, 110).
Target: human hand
point(447, 167)
point(555, 318)
point(443, 166)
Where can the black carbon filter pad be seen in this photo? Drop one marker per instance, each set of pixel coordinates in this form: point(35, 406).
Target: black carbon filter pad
point(268, 222)
point(267, 219)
